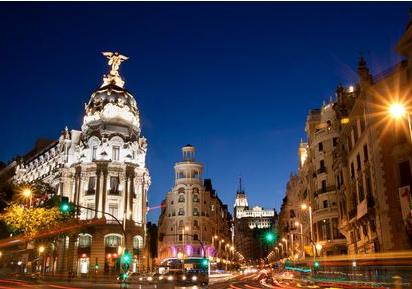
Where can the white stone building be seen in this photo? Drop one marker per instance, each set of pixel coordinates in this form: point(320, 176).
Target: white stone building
point(101, 167)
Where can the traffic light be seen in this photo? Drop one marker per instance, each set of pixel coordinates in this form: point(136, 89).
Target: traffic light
point(270, 237)
point(204, 263)
point(316, 265)
point(65, 206)
point(126, 257)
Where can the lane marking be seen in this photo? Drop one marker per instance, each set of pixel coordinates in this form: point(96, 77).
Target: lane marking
point(62, 287)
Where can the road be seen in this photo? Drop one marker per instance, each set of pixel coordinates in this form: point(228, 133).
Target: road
point(239, 282)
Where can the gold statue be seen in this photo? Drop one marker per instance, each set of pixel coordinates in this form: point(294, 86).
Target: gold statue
point(115, 59)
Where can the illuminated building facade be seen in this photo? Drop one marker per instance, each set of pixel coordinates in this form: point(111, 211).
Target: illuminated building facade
point(193, 215)
point(250, 225)
point(375, 157)
point(101, 167)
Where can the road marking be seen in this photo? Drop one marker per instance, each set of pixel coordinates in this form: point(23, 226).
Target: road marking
point(62, 287)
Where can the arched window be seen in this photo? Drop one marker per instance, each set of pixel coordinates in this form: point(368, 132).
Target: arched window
point(138, 242)
point(195, 237)
point(112, 240)
point(196, 224)
point(181, 223)
point(181, 212)
point(195, 212)
point(85, 240)
point(196, 198)
point(181, 198)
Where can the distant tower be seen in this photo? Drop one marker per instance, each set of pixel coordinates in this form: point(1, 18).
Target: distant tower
point(241, 200)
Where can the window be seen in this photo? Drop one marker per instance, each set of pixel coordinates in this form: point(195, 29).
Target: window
point(180, 175)
point(91, 186)
point(196, 224)
point(94, 152)
point(404, 174)
point(352, 170)
point(196, 198)
point(195, 212)
point(325, 204)
point(324, 186)
point(116, 153)
point(365, 152)
point(114, 185)
point(112, 241)
point(85, 240)
point(320, 147)
point(181, 212)
point(181, 198)
point(180, 237)
point(195, 237)
point(90, 213)
point(292, 214)
point(137, 242)
point(358, 162)
point(335, 141)
point(181, 224)
point(114, 210)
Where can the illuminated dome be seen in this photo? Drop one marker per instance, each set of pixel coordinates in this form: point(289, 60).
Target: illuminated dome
point(114, 105)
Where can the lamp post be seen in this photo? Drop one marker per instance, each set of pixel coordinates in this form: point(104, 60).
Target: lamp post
point(27, 193)
point(281, 247)
point(301, 238)
point(318, 247)
point(41, 251)
point(286, 242)
point(397, 111)
point(304, 207)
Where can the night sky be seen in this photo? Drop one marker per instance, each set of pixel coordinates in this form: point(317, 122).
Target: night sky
point(236, 80)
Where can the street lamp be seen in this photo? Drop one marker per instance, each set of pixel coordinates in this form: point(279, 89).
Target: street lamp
point(318, 247)
point(41, 249)
point(27, 193)
point(281, 247)
point(397, 111)
point(286, 242)
point(297, 224)
point(304, 207)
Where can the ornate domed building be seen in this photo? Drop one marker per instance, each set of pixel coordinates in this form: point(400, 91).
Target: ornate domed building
point(101, 167)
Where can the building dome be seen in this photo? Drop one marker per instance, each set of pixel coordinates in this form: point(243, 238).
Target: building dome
point(113, 105)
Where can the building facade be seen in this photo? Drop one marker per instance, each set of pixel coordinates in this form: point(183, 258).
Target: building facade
point(355, 170)
point(250, 227)
point(194, 222)
point(374, 158)
point(100, 167)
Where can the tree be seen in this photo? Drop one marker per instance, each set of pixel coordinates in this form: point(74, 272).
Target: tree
point(30, 221)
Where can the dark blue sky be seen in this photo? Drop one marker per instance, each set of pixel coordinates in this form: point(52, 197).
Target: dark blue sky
point(234, 79)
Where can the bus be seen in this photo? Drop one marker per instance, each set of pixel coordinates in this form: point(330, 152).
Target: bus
point(187, 271)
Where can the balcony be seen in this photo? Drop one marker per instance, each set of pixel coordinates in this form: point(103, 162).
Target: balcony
point(90, 192)
point(325, 190)
point(114, 192)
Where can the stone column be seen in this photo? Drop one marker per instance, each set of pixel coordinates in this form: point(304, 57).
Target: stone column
point(104, 193)
point(96, 204)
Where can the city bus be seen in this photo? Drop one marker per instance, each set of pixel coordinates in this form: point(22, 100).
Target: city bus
point(187, 271)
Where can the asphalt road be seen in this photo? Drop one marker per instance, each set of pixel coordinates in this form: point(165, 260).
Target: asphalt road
point(238, 282)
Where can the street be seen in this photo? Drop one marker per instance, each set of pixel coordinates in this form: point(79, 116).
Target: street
point(239, 282)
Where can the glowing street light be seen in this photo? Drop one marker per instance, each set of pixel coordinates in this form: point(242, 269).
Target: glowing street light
point(27, 193)
point(397, 111)
point(41, 249)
